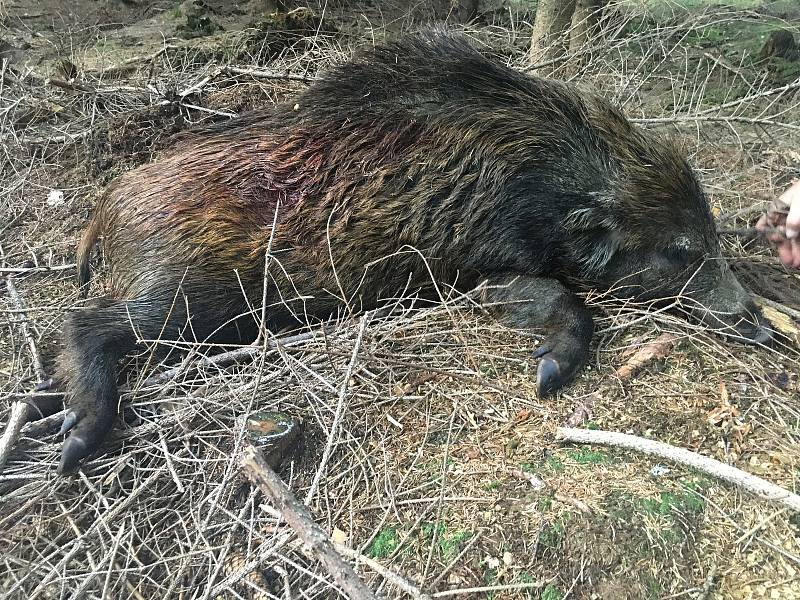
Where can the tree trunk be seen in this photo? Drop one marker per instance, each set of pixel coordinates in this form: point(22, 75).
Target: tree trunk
point(584, 22)
point(549, 39)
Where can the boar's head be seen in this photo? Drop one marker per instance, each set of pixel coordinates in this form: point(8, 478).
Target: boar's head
point(651, 236)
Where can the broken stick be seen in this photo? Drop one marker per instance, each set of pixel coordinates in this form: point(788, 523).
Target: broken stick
point(755, 485)
point(303, 524)
point(19, 410)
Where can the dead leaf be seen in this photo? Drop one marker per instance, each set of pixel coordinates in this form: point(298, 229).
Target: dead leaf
point(654, 350)
point(339, 537)
point(537, 483)
point(416, 380)
point(473, 453)
point(722, 414)
point(582, 412)
point(723, 393)
point(522, 415)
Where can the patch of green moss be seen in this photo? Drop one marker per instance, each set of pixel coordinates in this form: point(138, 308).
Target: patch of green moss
point(448, 543)
point(669, 502)
point(552, 536)
point(554, 464)
point(384, 543)
point(587, 456)
point(551, 592)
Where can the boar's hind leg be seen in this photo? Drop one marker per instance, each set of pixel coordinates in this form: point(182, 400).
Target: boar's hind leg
point(96, 338)
point(525, 302)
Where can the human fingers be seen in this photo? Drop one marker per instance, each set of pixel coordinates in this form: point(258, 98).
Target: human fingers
point(795, 244)
point(793, 219)
point(785, 253)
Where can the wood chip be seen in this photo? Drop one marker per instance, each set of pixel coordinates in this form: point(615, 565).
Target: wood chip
point(654, 350)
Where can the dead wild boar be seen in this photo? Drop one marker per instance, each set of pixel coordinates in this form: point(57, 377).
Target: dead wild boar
point(459, 169)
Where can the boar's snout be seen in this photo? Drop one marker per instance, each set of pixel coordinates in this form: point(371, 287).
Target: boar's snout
point(728, 308)
point(747, 326)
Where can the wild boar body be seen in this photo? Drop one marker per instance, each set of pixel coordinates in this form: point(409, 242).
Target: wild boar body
point(415, 166)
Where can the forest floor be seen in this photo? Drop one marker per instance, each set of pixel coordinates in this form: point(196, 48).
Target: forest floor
point(444, 466)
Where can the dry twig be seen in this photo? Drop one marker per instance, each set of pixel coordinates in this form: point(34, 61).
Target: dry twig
point(302, 522)
point(751, 483)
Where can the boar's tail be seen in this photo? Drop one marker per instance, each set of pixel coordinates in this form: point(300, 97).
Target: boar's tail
point(85, 245)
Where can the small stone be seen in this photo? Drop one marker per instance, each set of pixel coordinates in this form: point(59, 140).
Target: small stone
point(659, 470)
point(55, 198)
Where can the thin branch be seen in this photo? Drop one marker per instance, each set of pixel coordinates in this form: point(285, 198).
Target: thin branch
point(226, 358)
point(262, 74)
point(303, 524)
point(795, 85)
point(791, 312)
point(709, 119)
point(751, 232)
point(339, 410)
point(710, 466)
point(23, 323)
point(401, 582)
point(491, 588)
point(17, 418)
point(45, 269)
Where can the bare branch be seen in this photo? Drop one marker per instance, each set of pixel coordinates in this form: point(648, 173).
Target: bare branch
point(302, 522)
point(751, 483)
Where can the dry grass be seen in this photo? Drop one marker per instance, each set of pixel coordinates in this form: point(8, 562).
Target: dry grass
point(430, 465)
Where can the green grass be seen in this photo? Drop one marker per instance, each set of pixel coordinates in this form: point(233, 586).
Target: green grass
point(663, 8)
point(654, 588)
point(448, 543)
point(551, 536)
point(553, 464)
point(587, 456)
point(551, 592)
point(525, 577)
point(685, 501)
point(667, 516)
point(384, 543)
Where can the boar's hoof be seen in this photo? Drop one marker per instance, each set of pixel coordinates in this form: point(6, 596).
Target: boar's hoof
point(562, 356)
point(86, 434)
point(760, 333)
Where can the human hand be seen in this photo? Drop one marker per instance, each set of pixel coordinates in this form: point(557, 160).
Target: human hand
point(785, 213)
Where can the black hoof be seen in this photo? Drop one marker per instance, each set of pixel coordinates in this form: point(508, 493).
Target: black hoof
point(44, 386)
point(70, 420)
point(74, 450)
point(548, 377)
point(562, 357)
point(86, 435)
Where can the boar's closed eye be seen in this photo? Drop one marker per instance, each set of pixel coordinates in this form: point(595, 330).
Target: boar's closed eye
point(681, 255)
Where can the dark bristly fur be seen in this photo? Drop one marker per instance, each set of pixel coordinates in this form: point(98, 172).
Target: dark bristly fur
point(422, 144)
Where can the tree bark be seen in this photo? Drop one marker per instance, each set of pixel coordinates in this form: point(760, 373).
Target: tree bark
point(584, 22)
point(549, 39)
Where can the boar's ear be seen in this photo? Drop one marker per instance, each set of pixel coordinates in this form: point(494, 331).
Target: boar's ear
point(594, 237)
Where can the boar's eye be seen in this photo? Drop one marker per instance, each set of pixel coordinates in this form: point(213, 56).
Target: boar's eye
point(682, 254)
point(677, 254)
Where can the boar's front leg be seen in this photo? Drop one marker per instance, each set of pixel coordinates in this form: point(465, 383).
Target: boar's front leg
point(524, 302)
